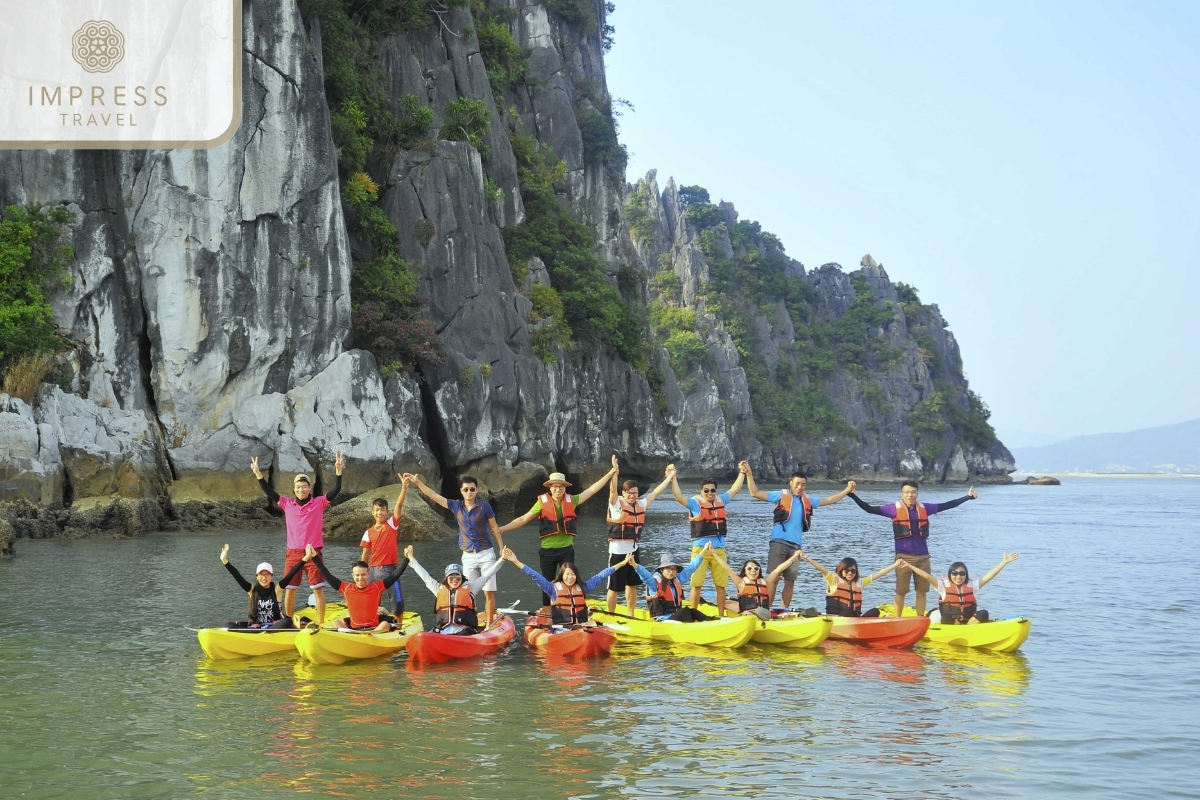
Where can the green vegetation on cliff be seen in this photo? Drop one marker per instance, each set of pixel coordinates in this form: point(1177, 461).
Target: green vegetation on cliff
point(387, 310)
point(35, 252)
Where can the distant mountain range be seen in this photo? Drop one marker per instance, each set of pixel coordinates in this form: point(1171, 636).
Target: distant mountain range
point(1170, 448)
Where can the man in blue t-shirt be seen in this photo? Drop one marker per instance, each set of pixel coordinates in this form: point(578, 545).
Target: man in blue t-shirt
point(793, 516)
point(706, 515)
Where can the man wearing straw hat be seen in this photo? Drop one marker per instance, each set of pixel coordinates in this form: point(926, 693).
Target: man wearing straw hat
point(555, 512)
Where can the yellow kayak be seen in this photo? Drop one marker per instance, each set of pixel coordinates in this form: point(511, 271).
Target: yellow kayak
point(726, 632)
point(245, 642)
point(1000, 635)
point(796, 632)
point(329, 646)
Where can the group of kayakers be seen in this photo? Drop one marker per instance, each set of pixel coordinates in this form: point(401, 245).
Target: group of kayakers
point(374, 600)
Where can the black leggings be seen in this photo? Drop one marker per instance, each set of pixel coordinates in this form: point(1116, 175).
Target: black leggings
point(690, 615)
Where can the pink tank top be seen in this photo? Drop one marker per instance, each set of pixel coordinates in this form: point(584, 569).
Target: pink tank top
point(304, 522)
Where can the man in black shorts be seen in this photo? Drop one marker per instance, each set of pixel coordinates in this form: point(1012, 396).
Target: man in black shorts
point(626, 517)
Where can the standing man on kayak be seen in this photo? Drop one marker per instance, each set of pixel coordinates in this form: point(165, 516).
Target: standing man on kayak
point(379, 547)
point(910, 529)
point(793, 517)
point(626, 518)
point(706, 513)
point(555, 512)
point(304, 516)
point(476, 527)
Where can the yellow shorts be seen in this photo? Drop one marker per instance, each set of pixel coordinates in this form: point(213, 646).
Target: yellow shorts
point(709, 564)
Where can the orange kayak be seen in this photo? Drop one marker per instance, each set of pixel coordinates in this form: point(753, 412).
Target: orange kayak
point(431, 647)
point(880, 631)
point(581, 642)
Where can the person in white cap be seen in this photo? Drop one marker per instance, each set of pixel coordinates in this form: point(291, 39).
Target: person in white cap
point(265, 609)
point(454, 602)
point(304, 515)
point(555, 512)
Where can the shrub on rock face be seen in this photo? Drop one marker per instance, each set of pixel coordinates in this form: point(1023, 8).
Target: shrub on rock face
point(34, 254)
point(468, 121)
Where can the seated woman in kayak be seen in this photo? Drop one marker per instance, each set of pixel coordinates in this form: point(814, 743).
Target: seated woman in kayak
point(844, 588)
point(455, 603)
point(664, 587)
point(568, 599)
point(266, 603)
point(753, 599)
point(958, 595)
point(363, 595)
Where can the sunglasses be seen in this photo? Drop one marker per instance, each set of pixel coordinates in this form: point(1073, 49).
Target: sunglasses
point(709, 491)
point(469, 490)
point(849, 571)
point(958, 573)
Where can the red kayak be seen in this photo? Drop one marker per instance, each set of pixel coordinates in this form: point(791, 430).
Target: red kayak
point(880, 631)
point(431, 647)
point(581, 642)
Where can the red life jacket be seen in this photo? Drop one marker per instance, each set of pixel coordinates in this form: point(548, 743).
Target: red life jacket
point(570, 605)
point(904, 524)
point(629, 524)
point(456, 607)
point(667, 597)
point(548, 516)
point(846, 600)
point(753, 595)
point(959, 604)
point(710, 521)
point(783, 510)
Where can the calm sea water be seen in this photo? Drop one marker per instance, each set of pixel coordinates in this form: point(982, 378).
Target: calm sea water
point(105, 693)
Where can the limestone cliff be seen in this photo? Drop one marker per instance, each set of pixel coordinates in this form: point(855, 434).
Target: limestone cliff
point(211, 305)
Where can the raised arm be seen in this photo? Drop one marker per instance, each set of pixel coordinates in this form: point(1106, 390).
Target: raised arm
point(612, 490)
point(398, 511)
point(516, 523)
point(751, 487)
point(737, 579)
point(338, 465)
point(679, 498)
point(802, 554)
point(934, 508)
point(272, 495)
point(334, 581)
point(994, 571)
point(837, 498)
point(425, 577)
point(876, 576)
point(603, 575)
point(870, 509)
point(237, 576)
point(932, 580)
point(545, 585)
point(737, 485)
point(694, 564)
point(425, 490)
point(653, 494)
point(646, 575)
point(474, 586)
point(598, 485)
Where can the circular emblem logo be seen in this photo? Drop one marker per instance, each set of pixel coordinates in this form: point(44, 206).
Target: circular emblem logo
point(98, 46)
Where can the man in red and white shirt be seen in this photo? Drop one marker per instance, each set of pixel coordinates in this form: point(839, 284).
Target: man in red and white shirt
point(379, 548)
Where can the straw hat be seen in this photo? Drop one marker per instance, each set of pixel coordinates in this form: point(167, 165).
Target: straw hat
point(557, 477)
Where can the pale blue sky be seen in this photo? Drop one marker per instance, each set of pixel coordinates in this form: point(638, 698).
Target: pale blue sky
point(1032, 168)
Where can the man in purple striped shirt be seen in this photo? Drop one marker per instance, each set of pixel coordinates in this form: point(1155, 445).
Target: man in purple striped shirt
point(910, 529)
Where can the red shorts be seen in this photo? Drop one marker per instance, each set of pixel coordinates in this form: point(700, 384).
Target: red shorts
point(315, 579)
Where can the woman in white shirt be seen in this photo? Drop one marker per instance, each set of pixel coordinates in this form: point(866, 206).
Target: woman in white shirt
point(958, 599)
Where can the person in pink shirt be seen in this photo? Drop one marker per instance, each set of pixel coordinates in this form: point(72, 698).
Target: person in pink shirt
point(304, 515)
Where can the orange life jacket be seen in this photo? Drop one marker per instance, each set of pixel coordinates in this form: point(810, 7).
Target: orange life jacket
point(904, 524)
point(457, 607)
point(959, 604)
point(666, 597)
point(548, 517)
point(753, 594)
point(783, 509)
point(570, 604)
point(711, 519)
point(846, 600)
point(629, 524)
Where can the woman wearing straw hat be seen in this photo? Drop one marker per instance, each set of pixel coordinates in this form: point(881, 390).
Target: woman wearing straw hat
point(555, 512)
